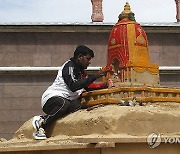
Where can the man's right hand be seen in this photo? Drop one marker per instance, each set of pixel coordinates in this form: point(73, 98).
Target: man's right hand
point(100, 73)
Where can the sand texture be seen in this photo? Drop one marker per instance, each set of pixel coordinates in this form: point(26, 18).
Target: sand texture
point(113, 119)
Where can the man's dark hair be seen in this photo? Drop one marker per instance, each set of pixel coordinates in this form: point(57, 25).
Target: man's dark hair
point(83, 50)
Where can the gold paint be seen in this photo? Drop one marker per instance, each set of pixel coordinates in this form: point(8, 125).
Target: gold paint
point(125, 12)
point(114, 46)
point(131, 39)
point(148, 94)
point(126, 89)
point(124, 23)
point(139, 58)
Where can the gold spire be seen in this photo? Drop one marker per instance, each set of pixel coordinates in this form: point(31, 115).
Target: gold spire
point(126, 12)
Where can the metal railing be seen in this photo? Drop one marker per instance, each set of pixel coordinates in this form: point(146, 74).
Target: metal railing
point(162, 69)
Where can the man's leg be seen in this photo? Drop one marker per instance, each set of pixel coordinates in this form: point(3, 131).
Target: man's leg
point(55, 108)
point(74, 105)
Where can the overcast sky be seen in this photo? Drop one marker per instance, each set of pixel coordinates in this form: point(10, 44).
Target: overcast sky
point(81, 10)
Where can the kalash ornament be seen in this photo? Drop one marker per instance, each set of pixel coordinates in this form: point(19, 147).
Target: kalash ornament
point(134, 77)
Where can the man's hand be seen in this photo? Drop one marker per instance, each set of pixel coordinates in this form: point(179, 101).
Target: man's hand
point(110, 83)
point(100, 73)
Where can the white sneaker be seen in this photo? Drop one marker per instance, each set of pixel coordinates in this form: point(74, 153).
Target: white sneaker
point(40, 134)
point(37, 122)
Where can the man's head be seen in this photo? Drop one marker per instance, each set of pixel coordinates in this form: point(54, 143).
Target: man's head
point(83, 56)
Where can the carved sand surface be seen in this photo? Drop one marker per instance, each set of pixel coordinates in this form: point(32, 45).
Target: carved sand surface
point(111, 122)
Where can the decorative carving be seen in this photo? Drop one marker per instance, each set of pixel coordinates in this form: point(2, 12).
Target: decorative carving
point(127, 13)
point(129, 67)
point(142, 94)
point(128, 55)
point(97, 15)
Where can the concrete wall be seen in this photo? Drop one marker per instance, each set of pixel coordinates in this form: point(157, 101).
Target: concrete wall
point(164, 48)
point(20, 93)
point(52, 49)
point(48, 49)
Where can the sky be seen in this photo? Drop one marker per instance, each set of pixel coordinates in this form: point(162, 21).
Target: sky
point(81, 10)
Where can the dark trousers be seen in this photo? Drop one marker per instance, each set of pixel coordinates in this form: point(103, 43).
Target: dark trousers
point(57, 107)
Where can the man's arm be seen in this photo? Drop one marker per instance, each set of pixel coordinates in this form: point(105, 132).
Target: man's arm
point(96, 86)
point(73, 83)
point(76, 84)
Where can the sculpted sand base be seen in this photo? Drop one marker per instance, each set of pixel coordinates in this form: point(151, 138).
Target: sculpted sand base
point(109, 129)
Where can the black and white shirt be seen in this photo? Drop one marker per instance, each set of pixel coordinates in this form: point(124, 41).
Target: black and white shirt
point(69, 82)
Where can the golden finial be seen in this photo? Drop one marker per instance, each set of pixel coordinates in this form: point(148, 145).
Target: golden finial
point(126, 13)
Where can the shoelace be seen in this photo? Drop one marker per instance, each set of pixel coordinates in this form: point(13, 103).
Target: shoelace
point(41, 131)
point(41, 121)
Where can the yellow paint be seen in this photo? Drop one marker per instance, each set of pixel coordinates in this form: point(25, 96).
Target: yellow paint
point(139, 58)
point(119, 89)
point(114, 46)
point(131, 40)
point(145, 94)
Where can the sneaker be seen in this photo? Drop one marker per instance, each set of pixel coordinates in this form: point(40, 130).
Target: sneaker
point(37, 122)
point(40, 134)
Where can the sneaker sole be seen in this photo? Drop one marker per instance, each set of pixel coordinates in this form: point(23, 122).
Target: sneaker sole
point(38, 137)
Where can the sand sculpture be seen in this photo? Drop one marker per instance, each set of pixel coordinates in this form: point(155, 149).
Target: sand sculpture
point(130, 69)
point(107, 125)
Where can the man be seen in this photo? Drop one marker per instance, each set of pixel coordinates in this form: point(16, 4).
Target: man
point(62, 97)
